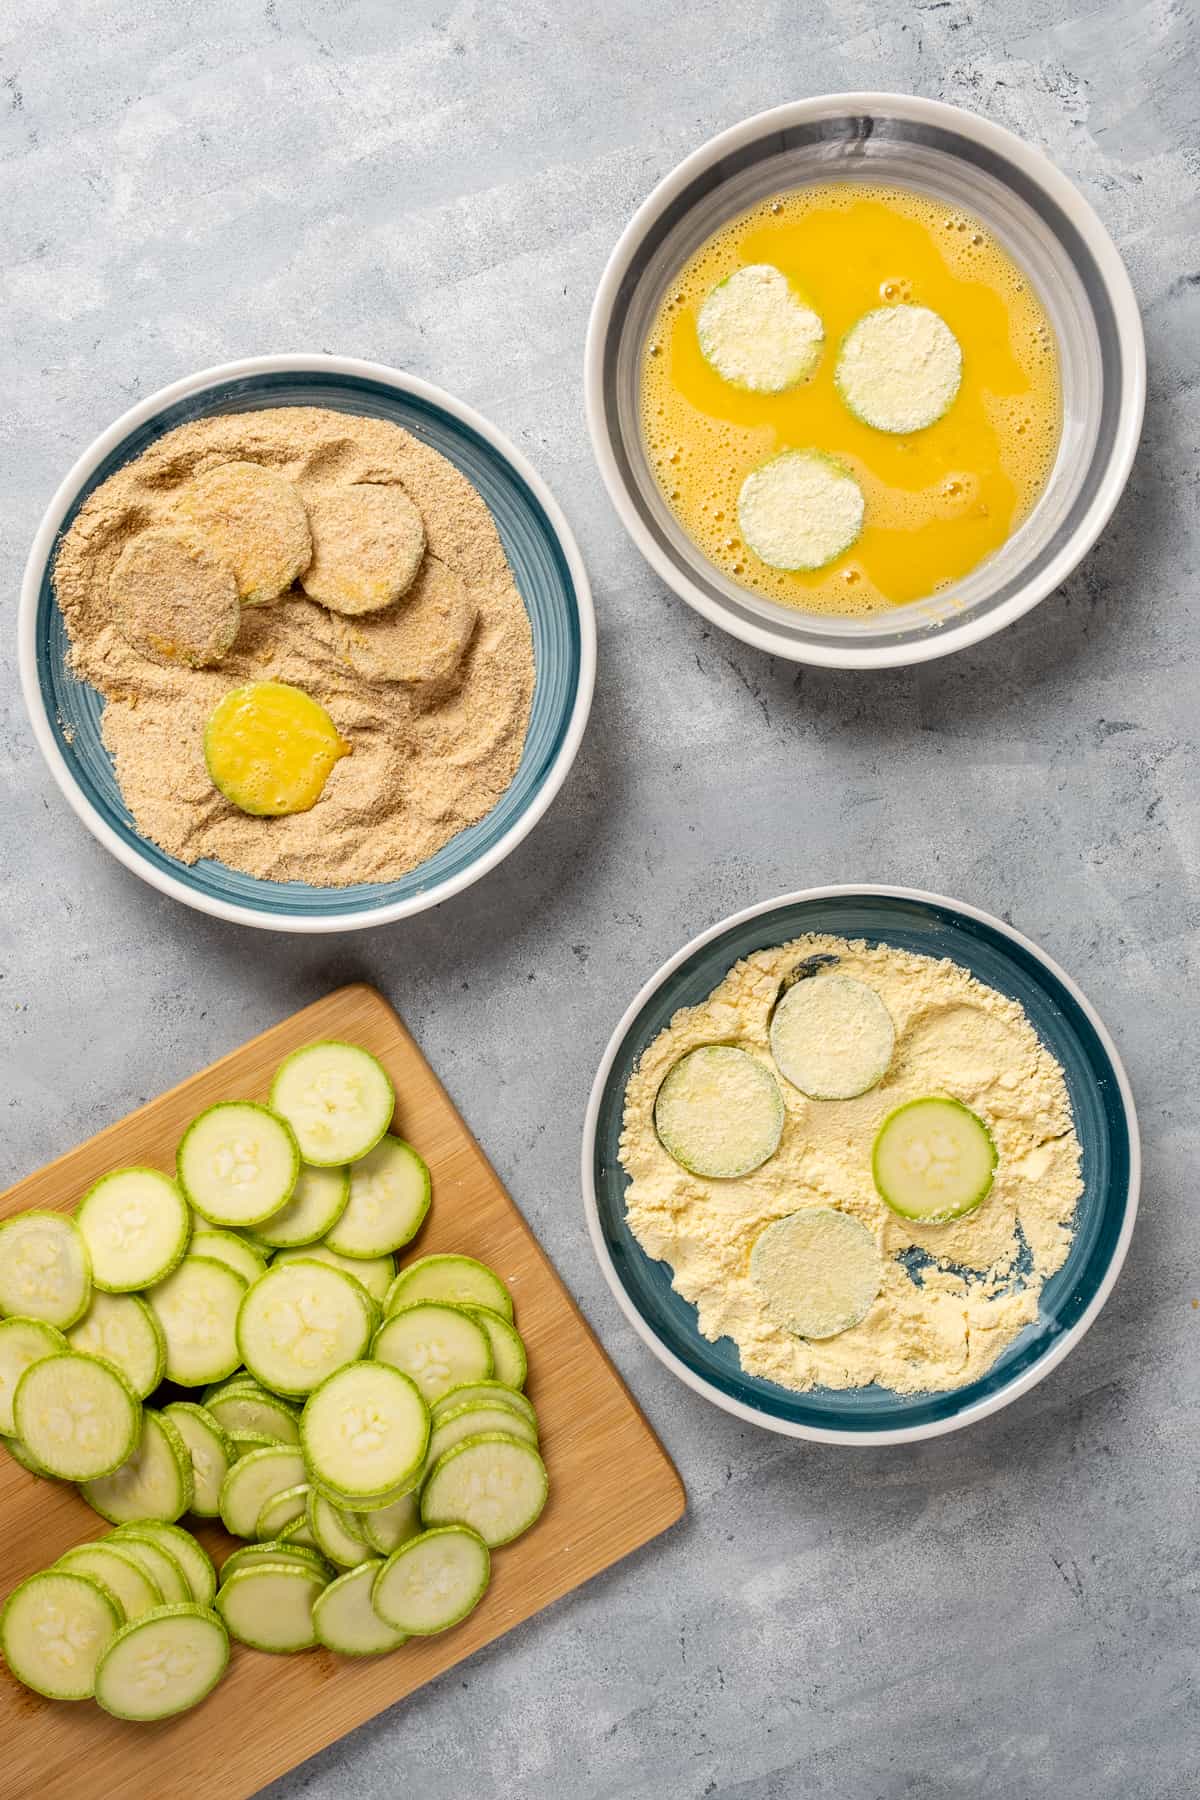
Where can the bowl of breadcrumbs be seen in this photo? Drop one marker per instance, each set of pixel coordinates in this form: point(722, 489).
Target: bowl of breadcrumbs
point(306, 643)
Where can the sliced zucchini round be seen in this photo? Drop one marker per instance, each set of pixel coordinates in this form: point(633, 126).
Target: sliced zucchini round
point(189, 1553)
point(197, 1307)
point(251, 1409)
point(438, 1345)
point(238, 1163)
point(117, 1570)
point(164, 1567)
point(459, 1280)
point(317, 1203)
point(757, 333)
point(495, 1483)
point(719, 1112)
point(345, 1619)
point(123, 1330)
point(301, 1321)
point(484, 1393)
point(933, 1160)
point(136, 1225)
point(163, 1663)
point(365, 1430)
point(270, 1605)
point(243, 1257)
point(389, 1197)
point(899, 368)
point(509, 1361)
point(79, 1416)
point(375, 1274)
point(22, 1342)
point(245, 1441)
point(154, 1483)
point(471, 1421)
point(253, 1480)
point(54, 1629)
point(298, 1534)
point(282, 1510)
point(818, 1270)
point(210, 1449)
point(832, 1037)
point(337, 1098)
point(391, 1525)
point(801, 510)
point(252, 1556)
point(432, 1581)
point(330, 1527)
point(45, 1270)
point(24, 1458)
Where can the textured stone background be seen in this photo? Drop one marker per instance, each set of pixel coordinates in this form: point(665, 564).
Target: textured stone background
point(1011, 1612)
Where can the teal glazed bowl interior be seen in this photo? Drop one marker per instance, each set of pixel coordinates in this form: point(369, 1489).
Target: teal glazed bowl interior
point(555, 596)
point(1104, 1120)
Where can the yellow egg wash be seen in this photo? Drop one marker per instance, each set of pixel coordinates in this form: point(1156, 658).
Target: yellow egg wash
point(938, 501)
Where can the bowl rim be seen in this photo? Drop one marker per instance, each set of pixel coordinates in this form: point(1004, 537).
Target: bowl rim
point(971, 629)
point(298, 363)
point(979, 1409)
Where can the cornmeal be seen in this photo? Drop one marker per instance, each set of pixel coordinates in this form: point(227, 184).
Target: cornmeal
point(944, 1314)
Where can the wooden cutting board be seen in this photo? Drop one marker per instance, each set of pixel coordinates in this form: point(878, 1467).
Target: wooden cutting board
point(612, 1487)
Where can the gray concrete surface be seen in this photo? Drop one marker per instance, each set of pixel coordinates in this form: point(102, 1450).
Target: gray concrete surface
point(1010, 1612)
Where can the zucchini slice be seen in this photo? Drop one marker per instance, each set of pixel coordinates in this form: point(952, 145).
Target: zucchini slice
point(389, 1197)
point(495, 1483)
point(54, 1629)
point(123, 1330)
point(197, 1307)
point(432, 1581)
point(832, 1037)
point(118, 1571)
point(269, 748)
point(245, 1441)
point(22, 1342)
point(270, 1605)
point(345, 1619)
point(819, 1271)
point(899, 368)
point(719, 1112)
point(188, 1552)
point(163, 1663)
point(933, 1160)
point(238, 1163)
point(45, 1270)
point(331, 1529)
point(317, 1203)
point(801, 510)
point(136, 1225)
point(337, 1099)
point(79, 1417)
point(280, 1511)
point(162, 1565)
point(298, 1534)
point(391, 1525)
point(509, 1361)
point(471, 1421)
point(211, 1452)
point(251, 1409)
point(365, 1430)
point(243, 1257)
point(757, 333)
point(301, 1321)
point(154, 1483)
point(459, 1280)
point(484, 1393)
point(252, 1481)
point(375, 1274)
point(438, 1345)
point(252, 1556)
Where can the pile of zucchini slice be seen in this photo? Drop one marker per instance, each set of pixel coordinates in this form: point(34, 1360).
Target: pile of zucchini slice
point(363, 1429)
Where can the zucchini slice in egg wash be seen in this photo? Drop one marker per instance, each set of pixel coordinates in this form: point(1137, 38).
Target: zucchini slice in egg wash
point(800, 511)
point(719, 1112)
point(819, 1271)
point(934, 1160)
point(899, 368)
point(757, 333)
point(832, 1037)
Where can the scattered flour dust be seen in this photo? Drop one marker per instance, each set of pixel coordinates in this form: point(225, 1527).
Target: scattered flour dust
point(980, 1287)
point(429, 758)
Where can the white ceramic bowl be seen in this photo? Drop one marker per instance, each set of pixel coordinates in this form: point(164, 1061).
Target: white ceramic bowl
point(549, 571)
point(1032, 209)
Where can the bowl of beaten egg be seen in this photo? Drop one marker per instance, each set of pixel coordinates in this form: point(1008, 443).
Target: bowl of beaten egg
point(865, 378)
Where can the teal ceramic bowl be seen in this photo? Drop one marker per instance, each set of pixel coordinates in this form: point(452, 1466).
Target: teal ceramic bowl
point(1104, 1119)
point(545, 561)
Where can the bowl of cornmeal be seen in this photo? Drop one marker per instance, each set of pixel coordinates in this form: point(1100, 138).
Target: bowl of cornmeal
point(864, 378)
point(861, 1165)
point(306, 643)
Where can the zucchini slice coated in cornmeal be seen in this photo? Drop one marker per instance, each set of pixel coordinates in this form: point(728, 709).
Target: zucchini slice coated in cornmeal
point(832, 1037)
point(819, 1271)
point(899, 368)
point(136, 1224)
point(719, 1112)
point(934, 1160)
point(757, 333)
point(45, 1270)
point(337, 1099)
point(800, 511)
point(238, 1163)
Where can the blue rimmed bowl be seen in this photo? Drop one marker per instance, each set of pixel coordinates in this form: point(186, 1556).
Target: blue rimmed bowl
point(545, 561)
point(1104, 1118)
